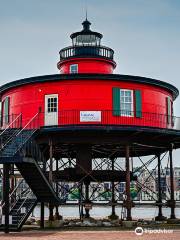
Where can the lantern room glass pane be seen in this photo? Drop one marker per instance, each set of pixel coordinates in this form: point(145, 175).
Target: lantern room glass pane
point(86, 40)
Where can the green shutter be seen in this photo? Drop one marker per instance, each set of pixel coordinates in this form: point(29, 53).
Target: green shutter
point(168, 102)
point(138, 101)
point(6, 110)
point(116, 102)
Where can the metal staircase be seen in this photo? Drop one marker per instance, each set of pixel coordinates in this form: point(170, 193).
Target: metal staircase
point(22, 202)
point(37, 181)
point(18, 147)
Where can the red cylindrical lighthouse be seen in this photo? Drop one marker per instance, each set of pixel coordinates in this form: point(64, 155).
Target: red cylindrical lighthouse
point(79, 116)
point(87, 92)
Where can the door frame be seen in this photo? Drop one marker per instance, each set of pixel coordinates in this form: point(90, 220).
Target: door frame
point(46, 96)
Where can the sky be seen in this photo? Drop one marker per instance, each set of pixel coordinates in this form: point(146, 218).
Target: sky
point(144, 34)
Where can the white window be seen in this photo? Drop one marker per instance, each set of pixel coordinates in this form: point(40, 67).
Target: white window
point(52, 104)
point(74, 68)
point(126, 102)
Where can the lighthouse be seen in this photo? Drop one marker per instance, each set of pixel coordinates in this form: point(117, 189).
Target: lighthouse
point(76, 117)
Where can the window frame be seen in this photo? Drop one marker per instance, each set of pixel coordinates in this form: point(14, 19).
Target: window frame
point(5, 109)
point(52, 106)
point(132, 103)
point(72, 71)
point(170, 111)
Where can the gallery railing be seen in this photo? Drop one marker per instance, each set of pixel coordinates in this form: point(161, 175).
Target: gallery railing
point(96, 117)
point(109, 117)
point(91, 51)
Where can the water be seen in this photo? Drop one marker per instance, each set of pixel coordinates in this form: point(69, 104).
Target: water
point(102, 212)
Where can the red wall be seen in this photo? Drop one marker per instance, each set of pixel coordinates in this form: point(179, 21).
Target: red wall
point(88, 65)
point(85, 95)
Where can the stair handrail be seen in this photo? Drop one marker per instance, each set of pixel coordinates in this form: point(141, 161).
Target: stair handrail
point(8, 127)
point(24, 215)
point(30, 192)
point(28, 123)
point(22, 129)
point(18, 197)
point(20, 182)
point(14, 190)
point(10, 195)
point(10, 124)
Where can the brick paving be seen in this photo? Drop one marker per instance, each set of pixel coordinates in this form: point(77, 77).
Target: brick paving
point(87, 235)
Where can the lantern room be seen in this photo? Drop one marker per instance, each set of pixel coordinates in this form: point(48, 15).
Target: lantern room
point(86, 55)
point(86, 37)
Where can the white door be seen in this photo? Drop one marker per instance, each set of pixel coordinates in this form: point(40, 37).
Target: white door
point(51, 110)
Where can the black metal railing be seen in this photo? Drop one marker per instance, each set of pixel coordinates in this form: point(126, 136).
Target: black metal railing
point(11, 121)
point(109, 117)
point(20, 199)
point(25, 134)
point(83, 51)
point(19, 192)
point(94, 117)
point(12, 142)
point(9, 130)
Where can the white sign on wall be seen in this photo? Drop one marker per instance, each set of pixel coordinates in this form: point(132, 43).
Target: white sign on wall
point(90, 116)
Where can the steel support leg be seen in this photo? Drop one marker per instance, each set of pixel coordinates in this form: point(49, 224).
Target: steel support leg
point(83, 168)
point(113, 200)
point(57, 216)
point(160, 216)
point(128, 181)
point(113, 193)
point(42, 215)
point(81, 213)
point(87, 215)
point(50, 161)
point(6, 169)
point(172, 201)
point(51, 217)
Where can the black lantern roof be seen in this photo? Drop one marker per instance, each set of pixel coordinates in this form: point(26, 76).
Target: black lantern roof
point(86, 37)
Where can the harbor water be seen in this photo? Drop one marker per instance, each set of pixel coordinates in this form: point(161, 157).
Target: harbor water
point(103, 212)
